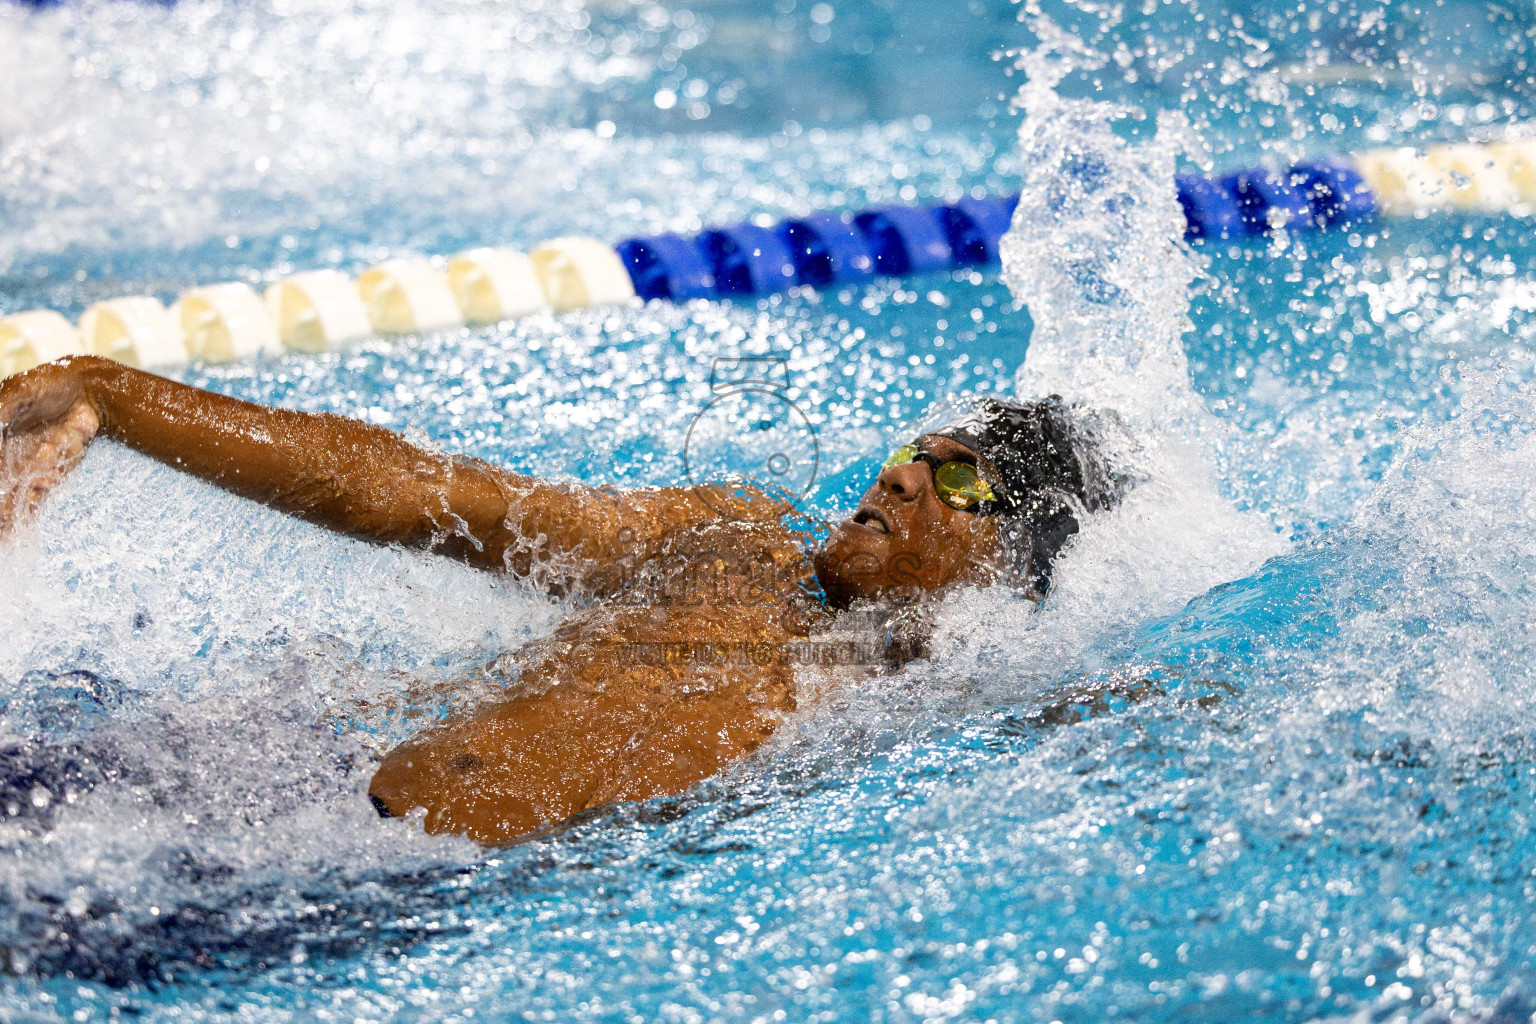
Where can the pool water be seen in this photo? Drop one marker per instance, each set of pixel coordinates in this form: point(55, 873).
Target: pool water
point(1263, 752)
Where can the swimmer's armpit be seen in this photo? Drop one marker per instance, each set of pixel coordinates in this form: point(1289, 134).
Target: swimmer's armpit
point(339, 473)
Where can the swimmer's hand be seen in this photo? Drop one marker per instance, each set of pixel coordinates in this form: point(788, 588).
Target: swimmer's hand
point(46, 421)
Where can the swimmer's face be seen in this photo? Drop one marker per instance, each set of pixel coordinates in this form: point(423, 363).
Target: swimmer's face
point(905, 539)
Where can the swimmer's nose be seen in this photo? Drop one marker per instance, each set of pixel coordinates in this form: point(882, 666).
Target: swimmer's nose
point(380, 806)
point(907, 481)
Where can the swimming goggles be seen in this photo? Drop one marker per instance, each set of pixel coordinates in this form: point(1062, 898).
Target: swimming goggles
point(957, 483)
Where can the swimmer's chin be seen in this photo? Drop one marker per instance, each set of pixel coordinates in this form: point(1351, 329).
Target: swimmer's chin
point(851, 566)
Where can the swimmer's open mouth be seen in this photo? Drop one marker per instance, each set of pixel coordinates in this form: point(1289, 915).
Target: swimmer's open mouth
point(872, 519)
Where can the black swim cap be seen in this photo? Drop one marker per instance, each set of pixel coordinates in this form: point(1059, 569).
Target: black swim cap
point(1045, 470)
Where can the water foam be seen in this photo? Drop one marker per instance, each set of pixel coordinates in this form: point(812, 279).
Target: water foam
point(1441, 639)
point(159, 597)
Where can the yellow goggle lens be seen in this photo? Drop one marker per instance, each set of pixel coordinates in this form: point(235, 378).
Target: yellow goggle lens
point(957, 483)
point(960, 485)
point(901, 456)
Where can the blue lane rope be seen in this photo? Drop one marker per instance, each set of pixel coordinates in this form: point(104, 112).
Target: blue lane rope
point(824, 249)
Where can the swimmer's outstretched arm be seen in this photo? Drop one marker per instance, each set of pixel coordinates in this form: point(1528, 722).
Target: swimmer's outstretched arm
point(349, 476)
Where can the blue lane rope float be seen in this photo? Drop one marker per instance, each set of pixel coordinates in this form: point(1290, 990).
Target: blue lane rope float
point(747, 259)
point(905, 240)
point(975, 226)
point(1266, 201)
point(827, 249)
point(1210, 211)
point(667, 267)
point(321, 310)
point(1337, 193)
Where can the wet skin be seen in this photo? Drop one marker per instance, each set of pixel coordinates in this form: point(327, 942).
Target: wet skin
point(674, 666)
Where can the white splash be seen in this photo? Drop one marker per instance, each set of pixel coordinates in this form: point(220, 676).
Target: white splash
point(197, 592)
point(1096, 252)
point(1441, 637)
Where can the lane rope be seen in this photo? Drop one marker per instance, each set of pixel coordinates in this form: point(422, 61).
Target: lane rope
point(325, 310)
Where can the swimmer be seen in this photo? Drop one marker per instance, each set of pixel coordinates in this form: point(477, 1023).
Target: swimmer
point(696, 608)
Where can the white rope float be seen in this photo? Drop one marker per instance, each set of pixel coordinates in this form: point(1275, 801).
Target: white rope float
point(225, 323)
point(136, 330)
point(409, 297)
point(491, 285)
point(35, 337)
